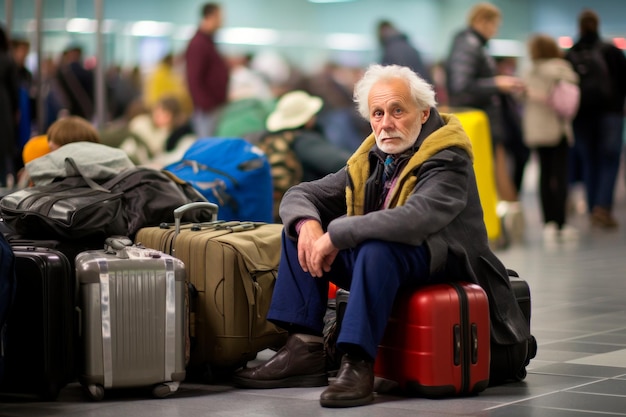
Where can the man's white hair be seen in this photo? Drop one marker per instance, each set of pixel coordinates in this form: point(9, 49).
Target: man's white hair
point(421, 91)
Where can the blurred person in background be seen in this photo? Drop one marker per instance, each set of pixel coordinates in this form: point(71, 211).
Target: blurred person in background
point(77, 82)
point(296, 148)
point(244, 82)
point(342, 124)
point(549, 134)
point(207, 72)
point(122, 90)
point(281, 74)
point(151, 130)
point(20, 49)
point(166, 81)
point(9, 111)
point(397, 49)
point(472, 81)
point(297, 111)
point(517, 152)
point(55, 101)
point(143, 132)
point(250, 100)
point(599, 124)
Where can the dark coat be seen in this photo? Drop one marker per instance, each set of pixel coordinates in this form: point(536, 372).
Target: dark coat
point(317, 154)
point(8, 105)
point(78, 85)
point(207, 73)
point(616, 65)
point(442, 210)
point(470, 72)
point(398, 50)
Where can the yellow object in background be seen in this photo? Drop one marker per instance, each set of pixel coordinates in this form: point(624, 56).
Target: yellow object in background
point(476, 126)
point(35, 147)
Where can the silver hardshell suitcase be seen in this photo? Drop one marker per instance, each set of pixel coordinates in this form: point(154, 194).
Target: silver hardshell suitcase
point(132, 303)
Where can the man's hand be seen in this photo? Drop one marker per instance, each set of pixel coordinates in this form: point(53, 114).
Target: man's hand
point(509, 84)
point(316, 252)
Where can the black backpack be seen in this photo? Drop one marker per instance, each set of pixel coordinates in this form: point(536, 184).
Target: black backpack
point(595, 81)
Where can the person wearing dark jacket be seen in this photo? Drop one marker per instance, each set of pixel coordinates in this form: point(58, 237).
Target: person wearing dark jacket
point(472, 81)
point(599, 127)
point(296, 111)
point(397, 49)
point(207, 72)
point(9, 109)
point(404, 211)
point(77, 82)
point(293, 124)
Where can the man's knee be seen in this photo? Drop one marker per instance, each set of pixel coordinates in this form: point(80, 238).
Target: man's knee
point(376, 248)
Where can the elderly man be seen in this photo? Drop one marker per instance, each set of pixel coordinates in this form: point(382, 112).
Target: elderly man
point(404, 211)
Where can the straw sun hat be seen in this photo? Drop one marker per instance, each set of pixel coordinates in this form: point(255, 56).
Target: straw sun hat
point(293, 110)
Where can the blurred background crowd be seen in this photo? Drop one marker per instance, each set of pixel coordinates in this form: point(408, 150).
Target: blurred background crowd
point(175, 91)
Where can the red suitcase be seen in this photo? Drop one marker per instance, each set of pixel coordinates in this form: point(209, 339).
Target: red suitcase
point(437, 341)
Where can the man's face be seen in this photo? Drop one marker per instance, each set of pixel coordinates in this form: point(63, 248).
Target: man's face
point(212, 22)
point(395, 117)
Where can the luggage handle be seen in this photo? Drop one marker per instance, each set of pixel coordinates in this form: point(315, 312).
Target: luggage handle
point(456, 344)
point(237, 226)
point(70, 165)
point(178, 213)
point(474, 335)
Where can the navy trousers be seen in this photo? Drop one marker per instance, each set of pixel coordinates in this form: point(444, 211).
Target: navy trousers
point(373, 272)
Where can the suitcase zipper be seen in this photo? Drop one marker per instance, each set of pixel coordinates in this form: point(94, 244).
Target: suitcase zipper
point(197, 166)
point(464, 337)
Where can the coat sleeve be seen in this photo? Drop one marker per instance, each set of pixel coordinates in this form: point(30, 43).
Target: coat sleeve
point(468, 82)
point(439, 196)
point(322, 200)
point(318, 155)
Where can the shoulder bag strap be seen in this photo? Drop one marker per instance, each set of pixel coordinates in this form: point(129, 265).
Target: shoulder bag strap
point(71, 164)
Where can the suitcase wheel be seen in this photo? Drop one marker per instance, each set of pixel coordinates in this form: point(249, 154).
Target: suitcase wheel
point(95, 392)
point(165, 389)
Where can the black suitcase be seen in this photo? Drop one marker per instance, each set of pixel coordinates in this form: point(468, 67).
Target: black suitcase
point(41, 328)
point(508, 363)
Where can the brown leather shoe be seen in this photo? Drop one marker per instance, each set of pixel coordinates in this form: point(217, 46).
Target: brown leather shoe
point(297, 364)
point(602, 217)
point(353, 387)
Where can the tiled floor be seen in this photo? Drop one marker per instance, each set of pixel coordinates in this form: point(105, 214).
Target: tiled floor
point(579, 318)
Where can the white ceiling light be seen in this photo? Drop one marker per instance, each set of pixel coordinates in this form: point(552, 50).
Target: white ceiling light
point(151, 28)
point(348, 42)
point(247, 36)
point(80, 25)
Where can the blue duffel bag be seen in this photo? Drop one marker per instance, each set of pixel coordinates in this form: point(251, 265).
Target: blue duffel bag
point(232, 173)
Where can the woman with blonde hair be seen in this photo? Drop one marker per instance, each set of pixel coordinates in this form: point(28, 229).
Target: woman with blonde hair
point(548, 133)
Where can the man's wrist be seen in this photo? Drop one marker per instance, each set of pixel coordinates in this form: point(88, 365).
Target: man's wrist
point(301, 222)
